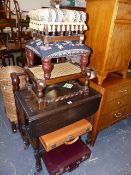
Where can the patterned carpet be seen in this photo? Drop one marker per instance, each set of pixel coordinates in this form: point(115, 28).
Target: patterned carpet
point(111, 154)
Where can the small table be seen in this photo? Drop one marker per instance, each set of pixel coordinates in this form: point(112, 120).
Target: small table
point(34, 123)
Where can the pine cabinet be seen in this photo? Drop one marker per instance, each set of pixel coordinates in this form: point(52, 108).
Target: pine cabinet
point(109, 36)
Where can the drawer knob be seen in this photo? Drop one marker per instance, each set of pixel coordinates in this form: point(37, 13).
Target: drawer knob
point(124, 91)
point(118, 115)
point(119, 102)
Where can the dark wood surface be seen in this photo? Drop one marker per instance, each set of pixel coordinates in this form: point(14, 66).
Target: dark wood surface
point(55, 115)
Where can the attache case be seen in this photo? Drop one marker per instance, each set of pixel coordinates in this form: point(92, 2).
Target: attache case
point(66, 135)
point(66, 157)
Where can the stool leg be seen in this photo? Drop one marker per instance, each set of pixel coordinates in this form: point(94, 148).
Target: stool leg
point(13, 60)
point(30, 58)
point(3, 61)
point(8, 60)
point(47, 68)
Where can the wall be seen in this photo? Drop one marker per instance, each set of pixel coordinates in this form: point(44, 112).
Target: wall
point(32, 4)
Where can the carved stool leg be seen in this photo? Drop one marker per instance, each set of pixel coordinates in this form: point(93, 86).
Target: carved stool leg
point(28, 84)
point(40, 87)
point(86, 72)
point(47, 68)
point(15, 81)
point(30, 58)
point(83, 63)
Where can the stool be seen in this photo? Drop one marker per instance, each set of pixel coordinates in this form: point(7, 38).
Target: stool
point(5, 54)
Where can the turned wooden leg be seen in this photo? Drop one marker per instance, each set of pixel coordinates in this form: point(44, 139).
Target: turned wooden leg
point(8, 61)
point(3, 61)
point(15, 81)
point(37, 155)
point(22, 127)
point(13, 60)
point(124, 73)
point(28, 84)
point(40, 94)
point(47, 68)
point(101, 77)
point(83, 63)
point(86, 72)
point(38, 160)
point(30, 58)
point(23, 130)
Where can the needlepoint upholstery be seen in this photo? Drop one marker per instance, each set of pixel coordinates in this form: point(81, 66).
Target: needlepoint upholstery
point(57, 49)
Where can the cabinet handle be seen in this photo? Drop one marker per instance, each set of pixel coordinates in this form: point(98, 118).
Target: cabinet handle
point(118, 115)
point(119, 102)
point(124, 91)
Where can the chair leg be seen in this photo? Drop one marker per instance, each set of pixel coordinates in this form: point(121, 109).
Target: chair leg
point(13, 59)
point(8, 60)
point(3, 61)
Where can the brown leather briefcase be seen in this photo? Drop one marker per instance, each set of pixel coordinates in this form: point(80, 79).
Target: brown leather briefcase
point(66, 135)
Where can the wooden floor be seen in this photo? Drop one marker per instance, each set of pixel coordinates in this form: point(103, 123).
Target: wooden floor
point(111, 154)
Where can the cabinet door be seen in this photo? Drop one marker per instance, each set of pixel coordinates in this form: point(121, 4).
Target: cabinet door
point(124, 10)
point(120, 47)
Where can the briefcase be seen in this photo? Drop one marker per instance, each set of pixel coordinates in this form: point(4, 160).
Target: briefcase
point(65, 135)
point(66, 157)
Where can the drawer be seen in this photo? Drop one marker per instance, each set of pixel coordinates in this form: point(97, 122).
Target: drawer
point(124, 10)
point(108, 119)
point(116, 104)
point(118, 91)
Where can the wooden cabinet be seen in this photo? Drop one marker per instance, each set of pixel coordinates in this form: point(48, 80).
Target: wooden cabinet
point(115, 103)
point(109, 36)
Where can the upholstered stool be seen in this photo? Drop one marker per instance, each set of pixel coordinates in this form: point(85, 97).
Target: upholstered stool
point(55, 50)
point(57, 33)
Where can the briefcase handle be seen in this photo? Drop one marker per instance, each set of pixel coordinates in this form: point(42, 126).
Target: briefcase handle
point(70, 141)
